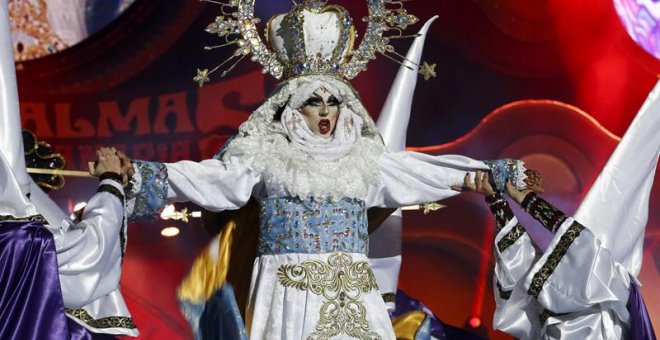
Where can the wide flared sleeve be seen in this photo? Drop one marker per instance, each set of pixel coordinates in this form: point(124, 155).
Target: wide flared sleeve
point(514, 250)
point(516, 313)
point(212, 184)
point(90, 252)
point(575, 273)
point(409, 178)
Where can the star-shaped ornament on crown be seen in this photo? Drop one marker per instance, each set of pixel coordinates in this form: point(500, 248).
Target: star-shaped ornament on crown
point(428, 71)
point(202, 77)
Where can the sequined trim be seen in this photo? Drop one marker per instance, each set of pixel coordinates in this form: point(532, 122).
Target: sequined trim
point(341, 282)
point(102, 323)
point(504, 294)
point(511, 237)
point(500, 209)
point(544, 212)
point(505, 170)
point(111, 190)
point(312, 226)
point(34, 218)
point(151, 197)
point(554, 258)
point(389, 297)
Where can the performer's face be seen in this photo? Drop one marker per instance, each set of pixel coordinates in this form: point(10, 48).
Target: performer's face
point(320, 112)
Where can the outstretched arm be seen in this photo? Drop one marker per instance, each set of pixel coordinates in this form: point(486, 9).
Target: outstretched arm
point(409, 178)
point(213, 184)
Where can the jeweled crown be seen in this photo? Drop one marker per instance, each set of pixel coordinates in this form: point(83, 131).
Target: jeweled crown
point(312, 38)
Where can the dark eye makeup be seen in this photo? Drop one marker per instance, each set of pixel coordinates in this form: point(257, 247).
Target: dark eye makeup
point(313, 101)
point(333, 101)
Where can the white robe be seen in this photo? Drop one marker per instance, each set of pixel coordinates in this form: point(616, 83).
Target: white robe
point(585, 274)
point(400, 179)
point(586, 292)
point(89, 256)
point(89, 253)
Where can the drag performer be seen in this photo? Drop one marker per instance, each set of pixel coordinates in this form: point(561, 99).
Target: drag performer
point(583, 286)
point(59, 278)
point(312, 161)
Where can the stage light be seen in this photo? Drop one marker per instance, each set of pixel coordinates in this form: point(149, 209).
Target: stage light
point(76, 212)
point(170, 232)
point(79, 206)
point(474, 322)
point(641, 18)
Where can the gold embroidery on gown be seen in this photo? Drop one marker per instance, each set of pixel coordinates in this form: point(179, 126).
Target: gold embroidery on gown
point(341, 282)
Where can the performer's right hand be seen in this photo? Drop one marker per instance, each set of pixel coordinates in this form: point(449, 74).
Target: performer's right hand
point(107, 161)
point(517, 195)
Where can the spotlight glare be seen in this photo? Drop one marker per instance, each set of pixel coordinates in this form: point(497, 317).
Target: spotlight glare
point(474, 322)
point(170, 232)
point(79, 206)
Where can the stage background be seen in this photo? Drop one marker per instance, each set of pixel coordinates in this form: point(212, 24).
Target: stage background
point(552, 82)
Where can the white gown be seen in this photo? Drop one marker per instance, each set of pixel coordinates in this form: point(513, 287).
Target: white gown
point(314, 280)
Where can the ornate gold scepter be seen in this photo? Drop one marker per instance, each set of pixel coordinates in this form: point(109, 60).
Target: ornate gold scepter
point(58, 172)
point(44, 165)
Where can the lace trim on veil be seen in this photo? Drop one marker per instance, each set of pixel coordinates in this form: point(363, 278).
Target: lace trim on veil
point(287, 170)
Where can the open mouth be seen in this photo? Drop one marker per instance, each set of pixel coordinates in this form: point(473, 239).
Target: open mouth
point(324, 126)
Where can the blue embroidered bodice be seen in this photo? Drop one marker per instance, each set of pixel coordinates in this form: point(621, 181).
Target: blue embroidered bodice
point(312, 226)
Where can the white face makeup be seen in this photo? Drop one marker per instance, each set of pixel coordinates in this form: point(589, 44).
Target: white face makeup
point(320, 112)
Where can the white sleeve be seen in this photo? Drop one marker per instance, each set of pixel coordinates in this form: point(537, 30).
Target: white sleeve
point(576, 273)
point(515, 254)
point(212, 184)
point(89, 253)
point(409, 178)
point(516, 312)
